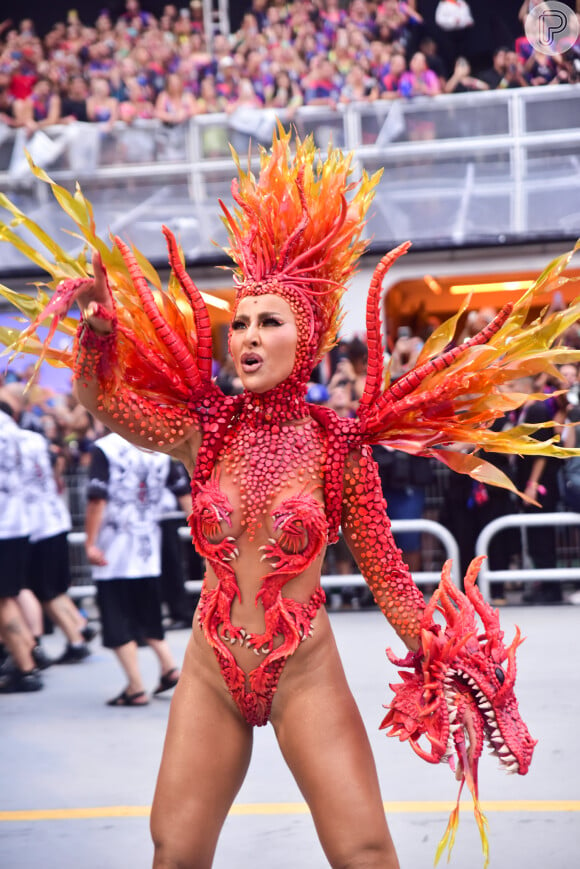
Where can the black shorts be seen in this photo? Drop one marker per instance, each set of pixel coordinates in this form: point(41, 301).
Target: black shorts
point(14, 555)
point(130, 610)
point(49, 569)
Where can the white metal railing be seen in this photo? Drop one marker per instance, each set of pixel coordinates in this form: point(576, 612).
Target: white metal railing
point(424, 526)
point(482, 167)
point(526, 574)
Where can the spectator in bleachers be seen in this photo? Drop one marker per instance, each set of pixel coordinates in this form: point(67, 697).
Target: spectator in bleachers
point(360, 15)
point(494, 75)
point(379, 59)
point(401, 19)
point(514, 72)
point(358, 86)
point(539, 68)
point(333, 16)
point(286, 93)
point(567, 69)
point(41, 109)
point(221, 48)
point(137, 105)
point(134, 15)
point(227, 80)
point(174, 105)
point(419, 80)
point(196, 17)
point(360, 45)
point(6, 101)
point(434, 61)
point(209, 100)
point(462, 81)
point(247, 97)
point(214, 137)
point(322, 85)
point(24, 62)
point(202, 59)
point(391, 82)
point(248, 33)
point(259, 9)
point(102, 108)
point(257, 70)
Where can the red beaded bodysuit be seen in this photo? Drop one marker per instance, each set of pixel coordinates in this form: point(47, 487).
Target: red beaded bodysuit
point(273, 468)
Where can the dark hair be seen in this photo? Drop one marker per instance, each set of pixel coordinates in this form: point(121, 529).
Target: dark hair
point(7, 408)
point(357, 349)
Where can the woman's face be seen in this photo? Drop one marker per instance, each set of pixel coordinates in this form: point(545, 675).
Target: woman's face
point(263, 340)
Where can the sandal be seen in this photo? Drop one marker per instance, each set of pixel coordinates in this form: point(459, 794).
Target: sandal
point(126, 699)
point(168, 681)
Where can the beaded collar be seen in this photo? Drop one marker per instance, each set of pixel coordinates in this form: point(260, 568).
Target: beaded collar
point(283, 403)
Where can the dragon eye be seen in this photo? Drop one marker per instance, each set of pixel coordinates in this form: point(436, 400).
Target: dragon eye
point(500, 675)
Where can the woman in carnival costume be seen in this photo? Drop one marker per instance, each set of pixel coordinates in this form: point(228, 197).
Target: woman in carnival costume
point(273, 480)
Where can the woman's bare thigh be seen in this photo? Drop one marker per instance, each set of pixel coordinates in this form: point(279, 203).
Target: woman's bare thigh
point(325, 744)
point(205, 758)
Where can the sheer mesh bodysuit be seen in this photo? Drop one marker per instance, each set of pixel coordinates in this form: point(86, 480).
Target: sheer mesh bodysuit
point(273, 472)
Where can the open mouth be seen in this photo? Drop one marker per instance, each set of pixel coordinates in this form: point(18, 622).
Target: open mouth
point(251, 362)
point(491, 730)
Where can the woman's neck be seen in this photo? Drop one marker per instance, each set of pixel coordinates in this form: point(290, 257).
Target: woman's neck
point(283, 403)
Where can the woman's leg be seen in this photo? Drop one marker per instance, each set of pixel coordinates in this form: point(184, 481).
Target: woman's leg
point(324, 742)
point(206, 755)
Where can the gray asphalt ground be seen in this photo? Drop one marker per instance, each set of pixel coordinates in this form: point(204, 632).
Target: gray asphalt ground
point(63, 749)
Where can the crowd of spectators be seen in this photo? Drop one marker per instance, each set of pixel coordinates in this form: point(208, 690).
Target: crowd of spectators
point(284, 55)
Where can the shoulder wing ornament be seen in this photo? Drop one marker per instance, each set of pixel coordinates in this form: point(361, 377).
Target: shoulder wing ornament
point(163, 348)
point(444, 407)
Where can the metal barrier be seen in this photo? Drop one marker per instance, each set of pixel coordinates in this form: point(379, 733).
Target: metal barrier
point(459, 170)
point(527, 574)
point(79, 563)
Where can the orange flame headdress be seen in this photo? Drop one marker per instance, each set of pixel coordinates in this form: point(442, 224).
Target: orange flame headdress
point(294, 233)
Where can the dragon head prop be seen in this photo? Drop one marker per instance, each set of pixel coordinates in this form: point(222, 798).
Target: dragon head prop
point(459, 694)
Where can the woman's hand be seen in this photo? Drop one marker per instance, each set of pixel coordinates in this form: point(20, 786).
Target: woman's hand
point(96, 300)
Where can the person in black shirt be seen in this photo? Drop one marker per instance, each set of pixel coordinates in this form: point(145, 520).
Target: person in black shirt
point(74, 104)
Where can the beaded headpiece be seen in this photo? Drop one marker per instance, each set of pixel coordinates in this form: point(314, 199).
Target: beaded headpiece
point(294, 233)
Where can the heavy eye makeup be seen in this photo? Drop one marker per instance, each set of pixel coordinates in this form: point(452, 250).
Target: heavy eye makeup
point(264, 320)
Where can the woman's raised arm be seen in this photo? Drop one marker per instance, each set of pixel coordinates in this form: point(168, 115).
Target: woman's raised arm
point(144, 421)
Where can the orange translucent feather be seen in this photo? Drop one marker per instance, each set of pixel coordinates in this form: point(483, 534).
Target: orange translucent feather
point(301, 197)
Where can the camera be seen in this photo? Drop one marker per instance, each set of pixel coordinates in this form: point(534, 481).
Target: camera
point(403, 332)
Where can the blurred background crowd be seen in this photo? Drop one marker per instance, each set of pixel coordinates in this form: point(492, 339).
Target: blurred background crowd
point(130, 63)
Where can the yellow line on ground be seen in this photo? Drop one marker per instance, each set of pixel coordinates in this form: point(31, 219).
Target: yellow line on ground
point(407, 807)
